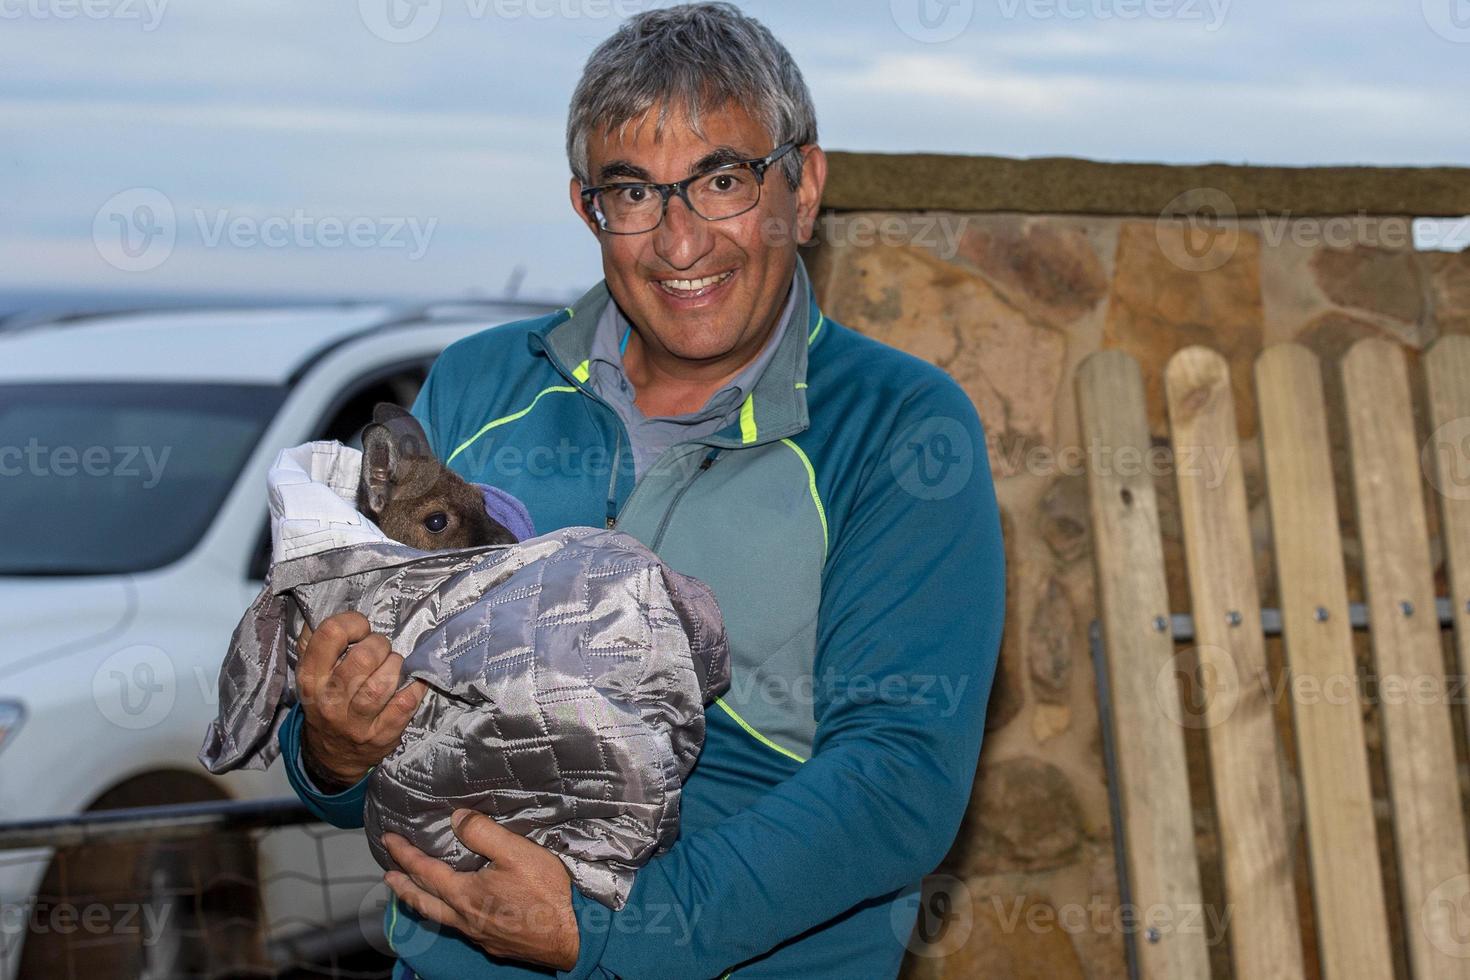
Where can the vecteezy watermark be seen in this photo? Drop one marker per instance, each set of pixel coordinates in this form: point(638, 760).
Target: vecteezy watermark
point(125, 462)
point(1211, 463)
point(943, 691)
point(1445, 916)
point(1450, 19)
point(135, 687)
point(145, 920)
point(1199, 230)
point(935, 919)
point(148, 13)
point(1201, 688)
point(932, 21)
point(301, 229)
point(411, 939)
point(1210, 13)
point(407, 21)
point(1198, 688)
point(137, 229)
point(933, 458)
point(1102, 916)
point(938, 233)
point(1445, 459)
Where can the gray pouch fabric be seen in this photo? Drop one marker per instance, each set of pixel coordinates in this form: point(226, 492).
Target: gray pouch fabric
point(567, 679)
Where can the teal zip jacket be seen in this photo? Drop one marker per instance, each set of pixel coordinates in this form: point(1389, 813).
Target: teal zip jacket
point(848, 525)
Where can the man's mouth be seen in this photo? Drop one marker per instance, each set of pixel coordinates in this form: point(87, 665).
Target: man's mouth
point(693, 288)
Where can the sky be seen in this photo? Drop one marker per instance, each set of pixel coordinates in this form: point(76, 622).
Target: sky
point(414, 148)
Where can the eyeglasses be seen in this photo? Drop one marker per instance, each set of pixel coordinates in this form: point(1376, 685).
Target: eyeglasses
point(721, 192)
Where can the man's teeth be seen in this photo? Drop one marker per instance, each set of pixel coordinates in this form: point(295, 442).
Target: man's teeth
point(691, 285)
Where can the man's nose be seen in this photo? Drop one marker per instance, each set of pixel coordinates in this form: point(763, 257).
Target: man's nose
point(683, 238)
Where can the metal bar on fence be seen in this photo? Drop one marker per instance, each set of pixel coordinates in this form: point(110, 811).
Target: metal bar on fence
point(175, 821)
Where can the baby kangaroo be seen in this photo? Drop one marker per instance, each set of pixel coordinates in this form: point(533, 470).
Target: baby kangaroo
point(411, 497)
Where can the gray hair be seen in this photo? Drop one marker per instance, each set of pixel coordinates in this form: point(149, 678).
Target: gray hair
point(699, 57)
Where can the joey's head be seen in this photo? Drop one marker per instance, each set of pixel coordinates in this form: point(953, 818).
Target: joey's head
point(411, 497)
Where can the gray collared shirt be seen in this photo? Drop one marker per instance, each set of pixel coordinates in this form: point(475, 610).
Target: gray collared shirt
point(651, 436)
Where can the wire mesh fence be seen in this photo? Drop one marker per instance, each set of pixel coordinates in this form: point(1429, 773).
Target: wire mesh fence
point(208, 890)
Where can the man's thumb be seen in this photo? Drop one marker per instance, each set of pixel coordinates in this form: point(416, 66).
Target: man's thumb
point(478, 832)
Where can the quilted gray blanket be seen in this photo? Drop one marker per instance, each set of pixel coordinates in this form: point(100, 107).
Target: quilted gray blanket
point(567, 676)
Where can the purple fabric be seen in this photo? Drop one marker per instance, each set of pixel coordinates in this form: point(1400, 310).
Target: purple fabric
point(509, 511)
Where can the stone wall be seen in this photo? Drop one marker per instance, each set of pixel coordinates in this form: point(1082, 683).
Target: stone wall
point(1009, 301)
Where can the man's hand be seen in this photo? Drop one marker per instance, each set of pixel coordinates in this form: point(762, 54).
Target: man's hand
point(354, 718)
point(518, 906)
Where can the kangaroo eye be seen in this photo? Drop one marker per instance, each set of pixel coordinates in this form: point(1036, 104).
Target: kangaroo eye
point(436, 521)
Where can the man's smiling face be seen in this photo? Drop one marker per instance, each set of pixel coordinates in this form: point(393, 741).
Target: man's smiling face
point(705, 292)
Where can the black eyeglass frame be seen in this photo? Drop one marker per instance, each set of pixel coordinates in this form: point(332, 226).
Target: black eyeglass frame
point(680, 188)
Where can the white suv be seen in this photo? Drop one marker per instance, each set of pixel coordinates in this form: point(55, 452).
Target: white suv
point(133, 456)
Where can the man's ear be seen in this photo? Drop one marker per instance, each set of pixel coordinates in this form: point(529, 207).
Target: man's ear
point(575, 190)
point(809, 193)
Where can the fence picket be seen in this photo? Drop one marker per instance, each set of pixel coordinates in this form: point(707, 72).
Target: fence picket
point(1265, 937)
point(1347, 887)
point(1151, 779)
point(1418, 735)
point(1447, 381)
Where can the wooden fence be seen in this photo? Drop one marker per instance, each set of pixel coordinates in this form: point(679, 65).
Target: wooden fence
point(1145, 720)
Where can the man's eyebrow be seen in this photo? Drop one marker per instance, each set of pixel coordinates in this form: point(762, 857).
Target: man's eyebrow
point(622, 168)
point(718, 157)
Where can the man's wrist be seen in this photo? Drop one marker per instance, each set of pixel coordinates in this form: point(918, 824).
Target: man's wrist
point(328, 782)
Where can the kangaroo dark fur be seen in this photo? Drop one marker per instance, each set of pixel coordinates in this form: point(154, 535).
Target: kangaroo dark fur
point(408, 494)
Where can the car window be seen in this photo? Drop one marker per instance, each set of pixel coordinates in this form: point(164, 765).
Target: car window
point(105, 478)
point(344, 421)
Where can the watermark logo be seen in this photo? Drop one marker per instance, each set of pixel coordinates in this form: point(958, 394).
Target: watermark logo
point(1210, 13)
point(1197, 230)
point(1450, 19)
point(400, 21)
point(149, 13)
point(135, 687)
point(409, 938)
point(1445, 459)
point(138, 229)
point(935, 919)
point(1199, 688)
point(406, 21)
point(135, 229)
point(933, 458)
point(932, 21)
point(1445, 916)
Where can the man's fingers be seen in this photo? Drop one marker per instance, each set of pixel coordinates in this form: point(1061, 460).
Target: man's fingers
point(326, 645)
point(376, 688)
point(425, 904)
point(432, 876)
point(486, 837)
point(394, 717)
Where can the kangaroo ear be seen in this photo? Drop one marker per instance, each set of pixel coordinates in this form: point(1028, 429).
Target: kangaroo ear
point(411, 437)
point(387, 411)
point(380, 459)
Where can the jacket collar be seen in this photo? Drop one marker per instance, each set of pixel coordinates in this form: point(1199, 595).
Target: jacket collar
point(774, 409)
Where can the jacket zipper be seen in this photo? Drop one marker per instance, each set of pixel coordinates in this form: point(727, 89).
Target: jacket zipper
point(663, 525)
point(612, 481)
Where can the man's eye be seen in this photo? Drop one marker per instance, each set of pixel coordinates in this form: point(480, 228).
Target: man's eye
point(436, 521)
point(633, 194)
point(724, 182)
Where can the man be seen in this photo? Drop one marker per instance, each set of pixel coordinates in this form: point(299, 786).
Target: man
point(833, 492)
